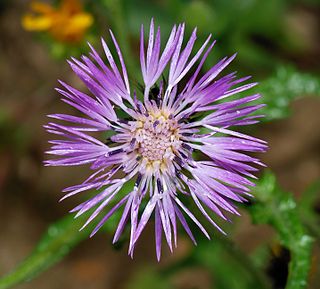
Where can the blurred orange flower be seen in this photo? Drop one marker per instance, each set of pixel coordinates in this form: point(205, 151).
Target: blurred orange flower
point(66, 23)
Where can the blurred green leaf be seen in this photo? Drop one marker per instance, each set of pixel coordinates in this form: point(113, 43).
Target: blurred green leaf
point(235, 263)
point(285, 86)
point(273, 207)
point(219, 257)
point(308, 208)
point(279, 209)
point(60, 238)
point(13, 135)
point(146, 276)
point(222, 258)
point(198, 14)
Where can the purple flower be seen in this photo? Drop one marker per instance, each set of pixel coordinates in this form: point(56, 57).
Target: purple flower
point(170, 142)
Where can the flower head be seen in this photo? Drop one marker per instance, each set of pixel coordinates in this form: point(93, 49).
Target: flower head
point(67, 23)
point(173, 141)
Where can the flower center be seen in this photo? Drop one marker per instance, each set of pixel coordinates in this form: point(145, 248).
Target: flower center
point(157, 137)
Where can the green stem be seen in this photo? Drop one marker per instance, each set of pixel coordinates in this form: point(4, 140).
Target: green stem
point(59, 239)
point(278, 209)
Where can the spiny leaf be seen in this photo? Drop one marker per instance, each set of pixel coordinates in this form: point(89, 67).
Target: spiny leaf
point(279, 209)
point(308, 206)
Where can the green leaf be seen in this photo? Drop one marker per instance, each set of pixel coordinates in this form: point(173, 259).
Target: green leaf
point(146, 276)
point(60, 238)
point(218, 257)
point(307, 208)
point(198, 14)
point(235, 263)
point(281, 89)
point(279, 209)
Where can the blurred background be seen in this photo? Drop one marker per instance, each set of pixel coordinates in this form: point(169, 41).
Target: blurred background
point(278, 42)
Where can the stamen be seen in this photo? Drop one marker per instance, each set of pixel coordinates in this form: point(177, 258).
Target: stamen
point(184, 155)
point(179, 161)
point(187, 147)
point(156, 137)
point(187, 134)
point(132, 143)
point(159, 186)
point(178, 174)
point(141, 108)
point(160, 95)
point(117, 151)
point(138, 181)
point(124, 121)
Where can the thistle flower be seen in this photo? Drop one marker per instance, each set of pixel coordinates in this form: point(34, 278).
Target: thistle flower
point(67, 23)
point(173, 141)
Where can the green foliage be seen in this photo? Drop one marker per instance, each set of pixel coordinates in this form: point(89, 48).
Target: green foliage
point(13, 136)
point(279, 209)
point(272, 206)
point(56, 243)
point(309, 204)
point(235, 263)
point(281, 89)
point(147, 276)
point(223, 259)
point(60, 238)
point(219, 258)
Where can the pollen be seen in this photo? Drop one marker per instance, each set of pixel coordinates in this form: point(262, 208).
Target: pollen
point(157, 137)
